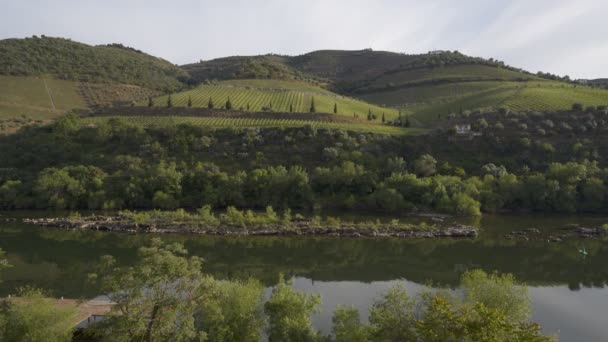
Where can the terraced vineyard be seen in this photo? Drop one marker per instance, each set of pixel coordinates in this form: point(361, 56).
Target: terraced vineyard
point(223, 122)
point(278, 96)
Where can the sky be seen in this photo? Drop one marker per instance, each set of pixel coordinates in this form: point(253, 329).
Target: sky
point(565, 37)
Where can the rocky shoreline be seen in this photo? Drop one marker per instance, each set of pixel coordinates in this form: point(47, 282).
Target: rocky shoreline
point(296, 228)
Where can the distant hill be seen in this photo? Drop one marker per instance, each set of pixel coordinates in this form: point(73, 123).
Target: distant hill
point(69, 60)
point(426, 85)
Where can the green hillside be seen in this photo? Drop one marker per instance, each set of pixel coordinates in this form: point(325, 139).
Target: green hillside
point(69, 60)
point(271, 95)
point(424, 85)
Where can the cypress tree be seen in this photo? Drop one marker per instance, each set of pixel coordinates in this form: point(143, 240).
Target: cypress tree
point(150, 102)
point(383, 120)
point(369, 115)
point(335, 108)
point(247, 106)
point(169, 103)
point(228, 104)
point(189, 102)
point(210, 103)
point(291, 107)
point(312, 105)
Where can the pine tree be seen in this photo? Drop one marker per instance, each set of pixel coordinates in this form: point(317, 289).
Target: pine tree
point(189, 102)
point(291, 107)
point(150, 102)
point(407, 121)
point(369, 115)
point(383, 119)
point(210, 103)
point(335, 108)
point(169, 103)
point(228, 104)
point(312, 105)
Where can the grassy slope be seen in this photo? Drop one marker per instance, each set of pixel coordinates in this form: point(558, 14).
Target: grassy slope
point(281, 94)
point(28, 96)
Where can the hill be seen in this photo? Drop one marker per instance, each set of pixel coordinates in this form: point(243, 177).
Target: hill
point(425, 85)
point(68, 60)
point(274, 95)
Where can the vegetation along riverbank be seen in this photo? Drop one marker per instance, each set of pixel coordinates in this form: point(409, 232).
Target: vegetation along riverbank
point(236, 222)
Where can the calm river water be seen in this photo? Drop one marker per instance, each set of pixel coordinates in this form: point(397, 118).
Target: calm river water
point(569, 295)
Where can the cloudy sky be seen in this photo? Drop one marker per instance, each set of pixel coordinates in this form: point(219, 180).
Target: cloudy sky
point(566, 37)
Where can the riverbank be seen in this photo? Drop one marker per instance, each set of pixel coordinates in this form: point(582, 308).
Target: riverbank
point(253, 226)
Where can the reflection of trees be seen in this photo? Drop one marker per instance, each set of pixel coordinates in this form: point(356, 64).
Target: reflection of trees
point(75, 254)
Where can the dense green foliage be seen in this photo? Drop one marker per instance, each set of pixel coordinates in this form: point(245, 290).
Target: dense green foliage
point(116, 165)
point(65, 59)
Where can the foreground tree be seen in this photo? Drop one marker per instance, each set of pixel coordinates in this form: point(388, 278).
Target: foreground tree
point(289, 314)
point(233, 312)
point(34, 318)
point(392, 318)
point(157, 298)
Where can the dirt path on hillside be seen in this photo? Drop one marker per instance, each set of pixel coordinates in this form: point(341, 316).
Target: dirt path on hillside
point(48, 91)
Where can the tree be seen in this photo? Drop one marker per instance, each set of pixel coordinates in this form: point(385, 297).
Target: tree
point(407, 121)
point(500, 292)
point(210, 103)
point(36, 318)
point(150, 102)
point(169, 103)
point(391, 317)
point(233, 312)
point(291, 107)
point(425, 166)
point(577, 107)
point(347, 326)
point(383, 118)
point(369, 114)
point(248, 106)
point(156, 299)
point(335, 108)
point(228, 104)
point(312, 105)
point(189, 102)
point(289, 314)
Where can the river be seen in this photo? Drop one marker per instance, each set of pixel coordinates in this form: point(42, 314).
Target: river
point(568, 289)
